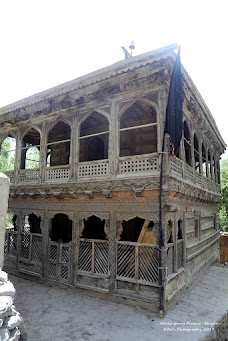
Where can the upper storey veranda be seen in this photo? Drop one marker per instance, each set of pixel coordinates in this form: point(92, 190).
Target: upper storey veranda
point(108, 125)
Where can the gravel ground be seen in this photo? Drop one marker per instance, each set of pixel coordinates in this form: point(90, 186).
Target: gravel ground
point(55, 314)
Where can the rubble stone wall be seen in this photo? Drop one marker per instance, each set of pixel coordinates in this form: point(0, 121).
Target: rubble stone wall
point(11, 323)
point(12, 327)
point(4, 196)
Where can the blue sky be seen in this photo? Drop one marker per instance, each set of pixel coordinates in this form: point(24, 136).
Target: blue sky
point(48, 42)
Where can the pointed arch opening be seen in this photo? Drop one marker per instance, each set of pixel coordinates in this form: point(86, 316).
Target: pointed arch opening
point(218, 171)
point(138, 230)
point(94, 138)
point(204, 161)
point(138, 130)
point(187, 145)
point(32, 224)
point(30, 150)
point(61, 228)
point(210, 169)
point(8, 153)
point(94, 228)
point(197, 154)
point(58, 146)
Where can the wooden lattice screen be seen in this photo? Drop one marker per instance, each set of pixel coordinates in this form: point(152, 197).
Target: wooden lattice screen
point(93, 256)
point(137, 263)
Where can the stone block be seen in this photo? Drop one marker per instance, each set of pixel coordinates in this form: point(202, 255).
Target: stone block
point(3, 276)
point(23, 330)
point(15, 335)
point(4, 334)
point(5, 303)
point(7, 289)
point(12, 322)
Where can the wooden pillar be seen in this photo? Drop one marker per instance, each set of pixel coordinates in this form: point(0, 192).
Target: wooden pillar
point(18, 158)
point(45, 233)
point(43, 151)
point(112, 251)
point(75, 147)
point(75, 246)
point(113, 135)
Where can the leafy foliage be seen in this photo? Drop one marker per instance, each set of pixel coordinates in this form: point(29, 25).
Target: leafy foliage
point(7, 155)
point(32, 158)
point(223, 212)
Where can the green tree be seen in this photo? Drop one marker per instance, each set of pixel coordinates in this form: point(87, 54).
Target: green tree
point(223, 212)
point(7, 154)
point(32, 158)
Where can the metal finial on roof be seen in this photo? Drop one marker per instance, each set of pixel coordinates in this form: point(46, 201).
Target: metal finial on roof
point(128, 54)
point(132, 46)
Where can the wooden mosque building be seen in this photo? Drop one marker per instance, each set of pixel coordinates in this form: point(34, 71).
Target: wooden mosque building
point(84, 161)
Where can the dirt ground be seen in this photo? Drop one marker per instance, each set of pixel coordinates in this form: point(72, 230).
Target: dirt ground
point(56, 314)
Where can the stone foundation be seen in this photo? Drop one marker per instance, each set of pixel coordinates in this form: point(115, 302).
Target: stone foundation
point(12, 327)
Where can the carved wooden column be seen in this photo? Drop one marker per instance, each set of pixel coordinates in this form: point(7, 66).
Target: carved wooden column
point(73, 143)
point(192, 153)
point(112, 152)
point(200, 160)
point(75, 147)
point(45, 233)
point(43, 151)
point(17, 158)
point(115, 125)
point(112, 251)
point(19, 221)
point(75, 246)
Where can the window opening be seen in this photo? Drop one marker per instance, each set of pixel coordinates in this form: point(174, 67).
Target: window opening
point(95, 149)
point(94, 228)
point(196, 154)
point(218, 171)
point(94, 136)
point(58, 147)
point(30, 150)
point(8, 152)
point(209, 164)
point(196, 228)
point(170, 248)
point(180, 230)
point(11, 221)
point(204, 160)
point(187, 145)
point(32, 224)
point(138, 130)
point(61, 228)
point(170, 232)
point(214, 175)
point(131, 229)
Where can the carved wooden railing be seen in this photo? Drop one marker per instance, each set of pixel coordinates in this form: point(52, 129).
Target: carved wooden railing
point(137, 263)
point(57, 173)
point(181, 170)
point(93, 169)
point(93, 257)
point(29, 175)
point(139, 164)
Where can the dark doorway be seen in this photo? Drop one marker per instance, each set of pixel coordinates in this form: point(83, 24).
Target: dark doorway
point(132, 229)
point(94, 228)
point(34, 223)
point(95, 149)
point(61, 229)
